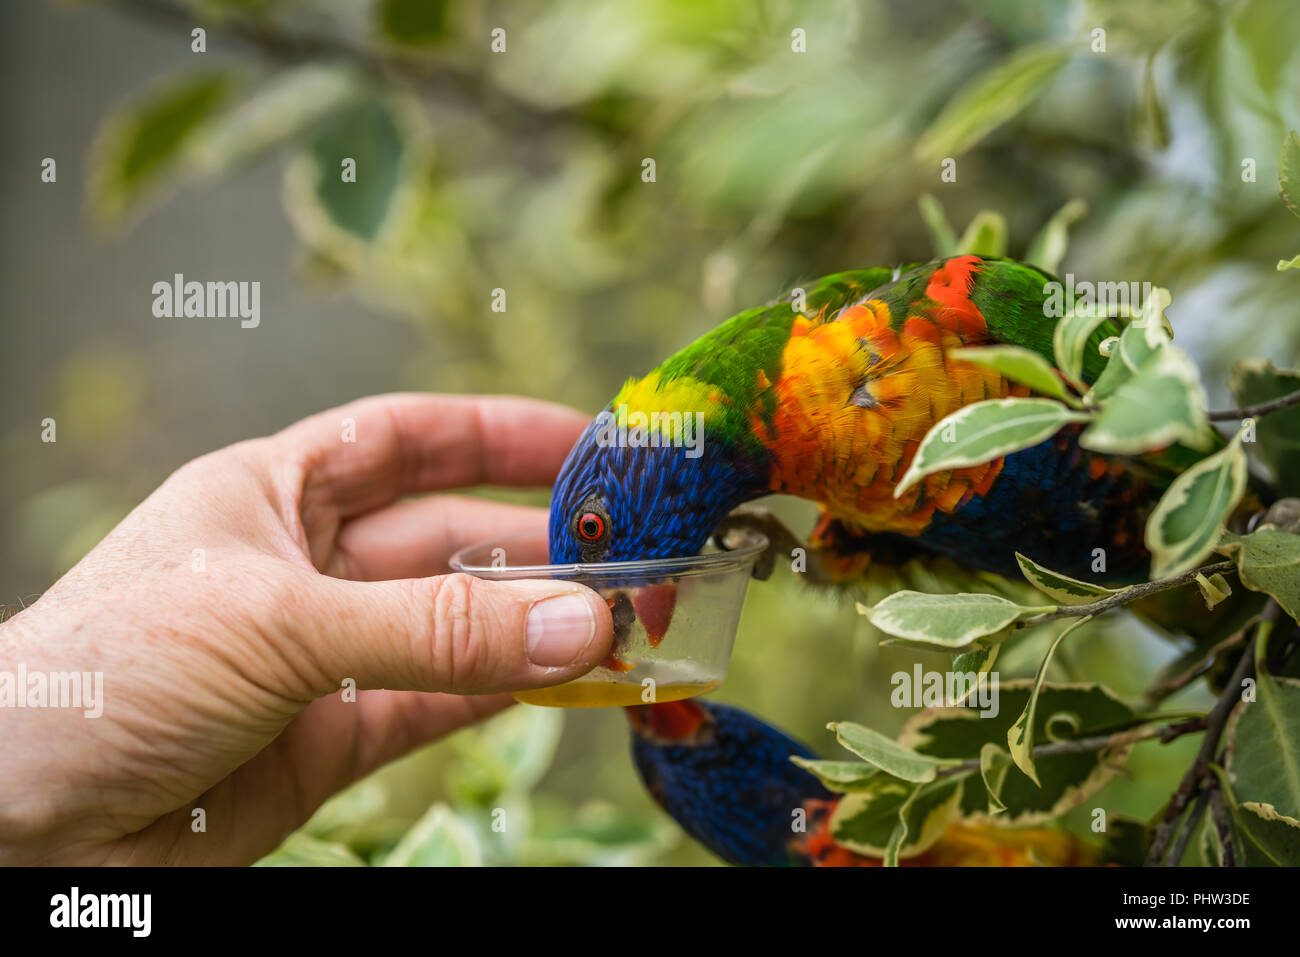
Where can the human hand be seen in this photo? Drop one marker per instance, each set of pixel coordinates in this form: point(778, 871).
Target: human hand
point(228, 609)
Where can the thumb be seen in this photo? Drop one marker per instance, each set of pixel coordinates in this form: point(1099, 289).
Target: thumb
point(455, 633)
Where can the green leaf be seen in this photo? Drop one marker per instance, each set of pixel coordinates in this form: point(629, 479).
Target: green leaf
point(994, 765)
point(291, 102)
point(1047, 249)
point(327, 210)
point(1292, 263)
point(983, 431)
point(1156, 328)
point(1020, 736)
point(1268, 561)
point(1067, 779)
point(1071, 337)
point(303, 850)
point(1272, 838)
point(1150, 122)
point(1261, 837)
point(1263, 755)
point(944, 621)
point(899, 822)
point(1288, 172)
point(887, 754)
point(597, 834)
point(942, 238)
point(1213, 589)
point(509, 753)
point(894, 849)
point(1134, 348)
point(524, 740)
point(439, 839)
point(1018, 364)
point(989, 101)
point(1066, 590)
point(1161, 404)
point(977, 662)
point(924, 817)
point(1211, 849)
point(367, 798)
point(1277, 435)
point(415, 23)
point(866, 822)
point(141, 145)
point(985, 236)
point(1188, 520)
point(1115, 373)
point(842, 775)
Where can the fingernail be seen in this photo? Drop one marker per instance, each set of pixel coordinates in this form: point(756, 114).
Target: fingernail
point(558, 629)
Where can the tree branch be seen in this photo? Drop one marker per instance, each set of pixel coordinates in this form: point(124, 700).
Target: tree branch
point(1165, 733)
point(1262, 408)
point(1215, 722)
point(281, 45)
point(1132, 593)
point(1177, 682)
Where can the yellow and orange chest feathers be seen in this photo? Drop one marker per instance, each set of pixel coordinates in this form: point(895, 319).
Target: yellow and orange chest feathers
point(858, 392)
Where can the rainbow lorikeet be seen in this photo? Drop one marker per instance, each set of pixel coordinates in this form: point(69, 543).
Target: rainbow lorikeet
point(827, 396)
point(727, 779)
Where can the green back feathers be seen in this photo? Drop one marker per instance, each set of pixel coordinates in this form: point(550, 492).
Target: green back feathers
point(726, 362)
point(841, 289)
point(1012, 298)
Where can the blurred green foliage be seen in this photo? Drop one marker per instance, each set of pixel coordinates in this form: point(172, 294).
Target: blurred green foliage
point(522, 170)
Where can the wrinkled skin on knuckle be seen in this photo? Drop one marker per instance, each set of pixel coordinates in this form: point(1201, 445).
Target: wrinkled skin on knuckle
point(462, 621)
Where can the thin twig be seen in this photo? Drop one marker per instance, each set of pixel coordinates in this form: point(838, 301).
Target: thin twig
point(1165, 733)
point(1215, 722)
point(1261, 408)
point(1189, 828)
point(1159, 692)
point(1132, 593)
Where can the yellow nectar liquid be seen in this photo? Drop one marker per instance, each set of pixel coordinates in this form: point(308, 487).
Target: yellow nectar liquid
point(611, 694)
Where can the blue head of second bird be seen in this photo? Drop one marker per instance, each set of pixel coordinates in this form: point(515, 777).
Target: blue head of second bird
point(726, 778)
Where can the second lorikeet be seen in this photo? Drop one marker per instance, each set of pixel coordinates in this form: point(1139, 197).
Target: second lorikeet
point(827, 397)
point(727, 779)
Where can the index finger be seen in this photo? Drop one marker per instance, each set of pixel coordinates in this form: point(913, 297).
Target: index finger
point(368, 453)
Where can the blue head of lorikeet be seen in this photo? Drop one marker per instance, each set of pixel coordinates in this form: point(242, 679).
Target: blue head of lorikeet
point(726, 778)
point(616, 502)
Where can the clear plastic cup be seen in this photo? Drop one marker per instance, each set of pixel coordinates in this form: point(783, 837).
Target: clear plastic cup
point(675, 619)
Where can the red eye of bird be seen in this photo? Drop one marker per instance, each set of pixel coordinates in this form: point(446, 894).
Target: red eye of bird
point(591, 526)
